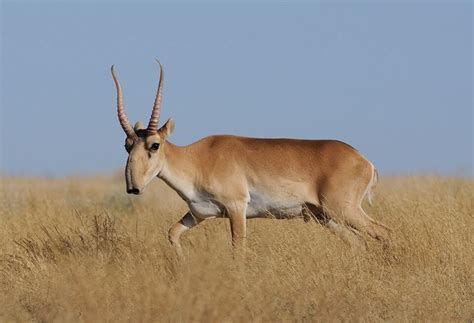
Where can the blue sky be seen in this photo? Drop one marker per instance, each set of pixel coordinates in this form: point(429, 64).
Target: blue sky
point(392, 79)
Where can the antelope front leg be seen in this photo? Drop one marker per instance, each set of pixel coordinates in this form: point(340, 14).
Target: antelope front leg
point(187, 222)
point(238, 225)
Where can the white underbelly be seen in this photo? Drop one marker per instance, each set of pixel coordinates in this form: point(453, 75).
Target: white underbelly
point(281, 207)
point(260, 205)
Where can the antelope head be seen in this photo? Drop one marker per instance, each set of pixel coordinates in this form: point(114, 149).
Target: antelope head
point(144, 146)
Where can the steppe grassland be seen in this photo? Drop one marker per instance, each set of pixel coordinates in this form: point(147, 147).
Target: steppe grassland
point(80, 249)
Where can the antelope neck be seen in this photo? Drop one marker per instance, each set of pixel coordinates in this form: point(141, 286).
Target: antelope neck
point(179, 170)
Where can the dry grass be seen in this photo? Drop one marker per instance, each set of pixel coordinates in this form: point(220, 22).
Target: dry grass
point(82, 250)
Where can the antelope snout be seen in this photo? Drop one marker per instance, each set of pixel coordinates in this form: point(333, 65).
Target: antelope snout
point(133, 190)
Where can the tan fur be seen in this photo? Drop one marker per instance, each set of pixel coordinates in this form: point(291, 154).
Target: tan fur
point(329, 175)
point(240, 177)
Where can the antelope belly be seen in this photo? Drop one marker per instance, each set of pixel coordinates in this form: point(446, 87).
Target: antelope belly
point(263, 206)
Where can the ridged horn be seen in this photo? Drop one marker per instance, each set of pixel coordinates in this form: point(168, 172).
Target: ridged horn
point(155, 113)
point(120, 109)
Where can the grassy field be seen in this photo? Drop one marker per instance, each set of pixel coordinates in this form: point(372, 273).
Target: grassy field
point(80, 249)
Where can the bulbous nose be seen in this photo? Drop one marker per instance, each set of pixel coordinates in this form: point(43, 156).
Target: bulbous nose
point(133, 190)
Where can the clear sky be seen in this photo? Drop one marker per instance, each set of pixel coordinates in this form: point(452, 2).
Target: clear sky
point(392, 79)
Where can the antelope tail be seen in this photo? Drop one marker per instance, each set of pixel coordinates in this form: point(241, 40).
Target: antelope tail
point(373, 183)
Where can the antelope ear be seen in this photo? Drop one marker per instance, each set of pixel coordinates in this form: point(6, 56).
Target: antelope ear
point(138, 126)
point(167, 128)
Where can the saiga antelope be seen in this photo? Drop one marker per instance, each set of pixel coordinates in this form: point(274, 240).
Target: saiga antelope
point(239, 178)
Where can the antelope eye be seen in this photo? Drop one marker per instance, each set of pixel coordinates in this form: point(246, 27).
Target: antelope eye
point(155, 146)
